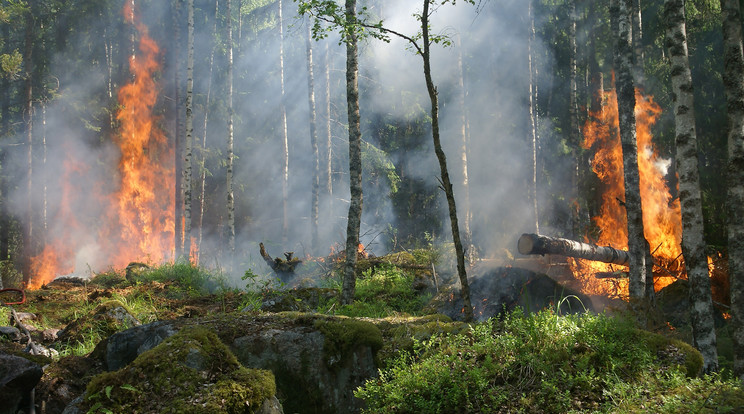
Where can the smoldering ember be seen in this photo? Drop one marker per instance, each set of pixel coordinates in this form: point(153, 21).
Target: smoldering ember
point(368, 206)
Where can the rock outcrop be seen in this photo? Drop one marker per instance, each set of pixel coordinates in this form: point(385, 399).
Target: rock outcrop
point(318, 361)
point(18, 377)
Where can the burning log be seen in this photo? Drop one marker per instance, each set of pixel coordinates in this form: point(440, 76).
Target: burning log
point(530, 243)
point(611, 275)
point(281, 267)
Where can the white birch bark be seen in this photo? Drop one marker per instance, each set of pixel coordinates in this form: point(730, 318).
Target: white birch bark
point(314, 204)
point(693, 243)
point(284, 138)
point(188, 145)
point(230, 142)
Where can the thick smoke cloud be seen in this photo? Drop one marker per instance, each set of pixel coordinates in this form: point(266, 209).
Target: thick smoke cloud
point(494, 48)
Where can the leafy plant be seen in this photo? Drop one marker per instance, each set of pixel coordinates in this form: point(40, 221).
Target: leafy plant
point(543, 363)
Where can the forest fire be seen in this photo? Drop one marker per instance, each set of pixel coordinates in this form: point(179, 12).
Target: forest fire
point(136, 220)
point(661, 213)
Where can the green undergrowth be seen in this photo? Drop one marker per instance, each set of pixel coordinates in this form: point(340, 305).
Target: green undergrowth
point(550, 364)
point(385, 290)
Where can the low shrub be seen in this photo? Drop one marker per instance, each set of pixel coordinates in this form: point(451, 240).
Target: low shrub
point(535, 363)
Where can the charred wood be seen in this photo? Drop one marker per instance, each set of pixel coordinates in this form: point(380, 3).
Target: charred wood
point(281, 267)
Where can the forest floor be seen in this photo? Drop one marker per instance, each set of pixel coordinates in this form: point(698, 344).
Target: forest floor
point(183, 291)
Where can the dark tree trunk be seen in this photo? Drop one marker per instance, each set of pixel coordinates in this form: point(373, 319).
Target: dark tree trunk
point(641, 264)
point(28, 112)
point(733, 79)
point(446, 183)
point(355, 158)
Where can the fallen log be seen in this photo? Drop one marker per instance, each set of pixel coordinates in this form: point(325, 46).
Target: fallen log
point(530, 243)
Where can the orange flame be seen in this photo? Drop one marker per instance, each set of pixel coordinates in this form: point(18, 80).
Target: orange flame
point(138, 224)
point(145, 214)
point(661, 213)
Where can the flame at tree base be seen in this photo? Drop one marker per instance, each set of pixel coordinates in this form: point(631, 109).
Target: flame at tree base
point(135, 221)
point(661, 212)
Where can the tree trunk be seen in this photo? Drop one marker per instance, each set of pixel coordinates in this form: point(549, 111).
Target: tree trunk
point(532, 122)
point(693, 243)
point(464, 286)
point(573, 114)
point(638, 57)
point(328, 136)
point(178, 239)
point(641, 263)
point(28, 112)
point(285, 142)
point(733, 79)
point(187, 173)
point(537, 244)
point(314, 205)
point(355, 157)
point(203, 167)
point(230, 155)
point(464, 150)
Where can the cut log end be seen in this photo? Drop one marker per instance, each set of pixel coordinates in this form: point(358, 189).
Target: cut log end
point(526, 243)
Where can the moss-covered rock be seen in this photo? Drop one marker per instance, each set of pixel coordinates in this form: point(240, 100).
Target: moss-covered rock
point(344, 335)
point(673, 352)
point(190, 372)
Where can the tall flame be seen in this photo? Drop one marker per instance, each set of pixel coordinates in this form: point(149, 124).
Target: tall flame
point(137, 222)
point(144, 212)
point(661, 213)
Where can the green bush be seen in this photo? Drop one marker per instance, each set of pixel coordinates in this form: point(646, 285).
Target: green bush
point(536, 363)
point(385, 290)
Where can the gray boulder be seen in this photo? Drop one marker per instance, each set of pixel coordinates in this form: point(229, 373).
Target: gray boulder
point(502, 289)
point(123, 347)
point(18, 377)
point(317, 361)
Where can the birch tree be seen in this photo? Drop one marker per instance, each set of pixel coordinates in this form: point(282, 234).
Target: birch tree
point(733, 78)
point(284, 138)
point(230, 141)
point(464, 151)
point(203, 169)
point(641, 263)
point(186, 182)
point(693, 243)
point(314, 205)
point(532, 119)
point(179, 139)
